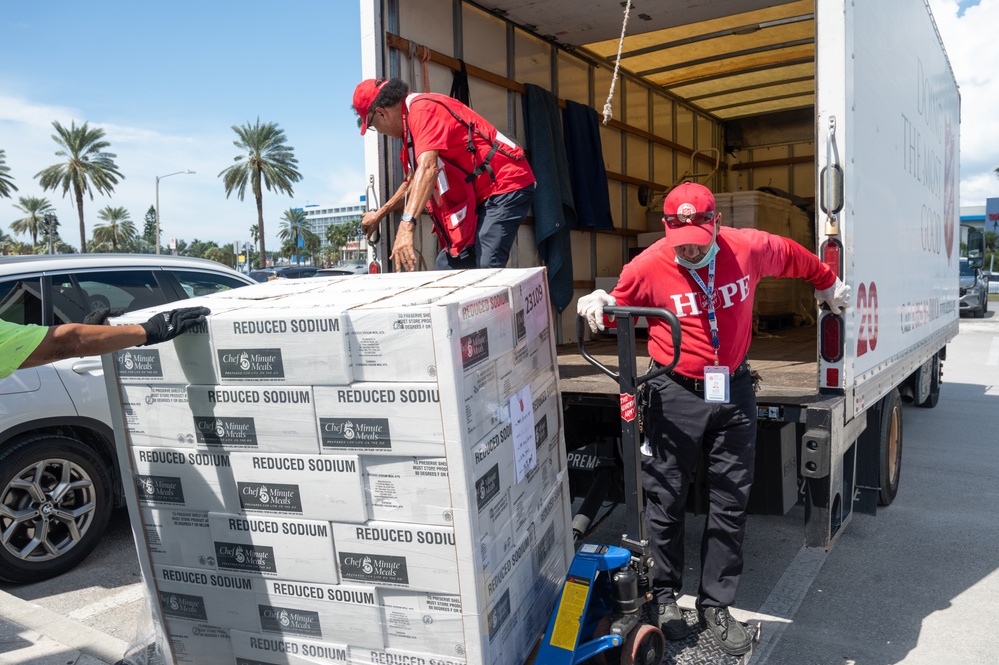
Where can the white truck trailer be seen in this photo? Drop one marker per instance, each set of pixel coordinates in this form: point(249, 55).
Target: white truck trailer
point(844, 113)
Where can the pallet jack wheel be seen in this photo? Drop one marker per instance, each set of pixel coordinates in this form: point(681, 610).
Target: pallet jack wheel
point(645, 645)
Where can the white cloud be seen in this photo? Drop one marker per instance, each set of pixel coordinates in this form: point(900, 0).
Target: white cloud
point(191, 206)
point(971, 46)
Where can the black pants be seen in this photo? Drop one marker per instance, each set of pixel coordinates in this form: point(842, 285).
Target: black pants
point(680, 426)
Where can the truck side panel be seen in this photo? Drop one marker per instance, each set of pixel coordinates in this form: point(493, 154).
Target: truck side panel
point(885, 80)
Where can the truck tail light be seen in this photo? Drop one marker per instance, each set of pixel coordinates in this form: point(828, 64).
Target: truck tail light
point(831, 338)
point(832, 255)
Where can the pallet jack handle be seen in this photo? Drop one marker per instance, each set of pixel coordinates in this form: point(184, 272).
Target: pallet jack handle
point(636, 538)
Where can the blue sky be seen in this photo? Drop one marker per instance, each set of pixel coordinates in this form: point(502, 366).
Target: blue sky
point(166, 81)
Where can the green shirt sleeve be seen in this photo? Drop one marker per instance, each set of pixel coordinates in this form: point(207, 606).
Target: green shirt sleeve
point(16, 344)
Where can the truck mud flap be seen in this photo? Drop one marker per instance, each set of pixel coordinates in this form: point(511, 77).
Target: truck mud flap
point(828, 462)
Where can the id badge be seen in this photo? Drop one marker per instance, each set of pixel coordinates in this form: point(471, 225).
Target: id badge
point(716, 384)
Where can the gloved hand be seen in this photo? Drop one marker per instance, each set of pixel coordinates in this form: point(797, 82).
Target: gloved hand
point(100, 316)
point(836, 296)
point(167, 325)
point(591, 307)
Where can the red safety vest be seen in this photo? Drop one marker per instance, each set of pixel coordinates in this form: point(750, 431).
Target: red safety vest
point(452, 205)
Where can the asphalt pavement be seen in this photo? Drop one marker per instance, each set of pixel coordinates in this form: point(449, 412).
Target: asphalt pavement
point(914, 585)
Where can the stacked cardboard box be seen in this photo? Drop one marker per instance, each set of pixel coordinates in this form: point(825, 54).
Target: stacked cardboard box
point(773, 214)
point(357, 470)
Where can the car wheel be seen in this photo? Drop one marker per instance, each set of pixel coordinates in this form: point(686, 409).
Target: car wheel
point(55, 503)
point(97, 301)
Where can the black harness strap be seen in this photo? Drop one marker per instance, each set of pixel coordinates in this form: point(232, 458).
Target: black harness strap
point(472, 131)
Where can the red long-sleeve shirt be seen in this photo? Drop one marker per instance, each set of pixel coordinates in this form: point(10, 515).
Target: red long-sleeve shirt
point(654, 279)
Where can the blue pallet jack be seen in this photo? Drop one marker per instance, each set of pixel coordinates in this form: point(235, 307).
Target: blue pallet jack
point(605, 613)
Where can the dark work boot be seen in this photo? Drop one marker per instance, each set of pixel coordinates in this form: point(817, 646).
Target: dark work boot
point(731, 635)
point(671, 621)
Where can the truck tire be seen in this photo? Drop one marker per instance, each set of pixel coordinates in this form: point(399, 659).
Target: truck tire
point(926, 385)
point(55, 503)
point(890, 467)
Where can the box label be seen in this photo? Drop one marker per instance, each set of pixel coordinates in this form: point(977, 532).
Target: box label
point(499, 614)
point(245, 558)
point(231, 431)
point(374, 568)
point(270, 496)
point(355, 433)
point(139, 363)
point(487, 487)
point(160, 490)
point(288, 620)
point(183, 606)
point(474, 348)
point(250, 364)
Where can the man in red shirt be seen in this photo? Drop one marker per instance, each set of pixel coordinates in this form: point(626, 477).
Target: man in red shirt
point(476, 182)
point(707, 275)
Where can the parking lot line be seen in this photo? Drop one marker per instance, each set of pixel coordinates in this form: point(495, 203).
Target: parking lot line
point(129, 594)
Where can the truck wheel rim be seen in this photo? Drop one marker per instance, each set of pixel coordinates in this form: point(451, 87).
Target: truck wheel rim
point(46, 509)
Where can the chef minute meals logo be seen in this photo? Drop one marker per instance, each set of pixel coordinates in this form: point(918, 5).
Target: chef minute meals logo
point(474, 348)
point(139, 362)
point(250, 363)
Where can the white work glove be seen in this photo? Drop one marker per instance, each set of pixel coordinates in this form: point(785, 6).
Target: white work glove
point(836, 296)
point(591, 307)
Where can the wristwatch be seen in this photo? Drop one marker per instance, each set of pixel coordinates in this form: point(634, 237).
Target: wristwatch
point(406, 217)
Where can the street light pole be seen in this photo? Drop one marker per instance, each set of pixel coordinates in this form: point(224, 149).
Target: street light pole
point(158, 178)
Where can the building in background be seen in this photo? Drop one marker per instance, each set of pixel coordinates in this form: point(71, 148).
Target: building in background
point(321, 217)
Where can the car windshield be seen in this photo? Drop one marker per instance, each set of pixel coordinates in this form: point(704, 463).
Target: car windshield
point(965, 270)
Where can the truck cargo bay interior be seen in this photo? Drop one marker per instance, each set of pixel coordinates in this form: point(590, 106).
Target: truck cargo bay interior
point(721, 92)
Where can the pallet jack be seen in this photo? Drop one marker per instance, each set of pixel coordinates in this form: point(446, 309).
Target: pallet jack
point(605, 614)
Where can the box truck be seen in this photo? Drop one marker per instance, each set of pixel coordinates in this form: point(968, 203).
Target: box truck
point(833, 122)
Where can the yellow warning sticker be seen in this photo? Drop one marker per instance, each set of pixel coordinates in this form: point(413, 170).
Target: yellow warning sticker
point(570, 613)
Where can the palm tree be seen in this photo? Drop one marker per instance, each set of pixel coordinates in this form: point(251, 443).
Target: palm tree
point(35, 208)
point(87, 167)
point(338, 235)
point(119, 229)
point(6, 182)
point(266, 157)
point(5, 242)
point(295, 228)
point(198, 248)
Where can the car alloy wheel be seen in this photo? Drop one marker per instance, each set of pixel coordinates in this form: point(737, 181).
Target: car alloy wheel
point(55, 503)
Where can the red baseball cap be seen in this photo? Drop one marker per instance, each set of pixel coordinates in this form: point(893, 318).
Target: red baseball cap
point(684, 209)
point(364, 96)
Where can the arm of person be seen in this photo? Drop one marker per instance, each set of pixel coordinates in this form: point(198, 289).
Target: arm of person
point(371, 219)
point(799, 262)
point(420, 189)
point(72, 340)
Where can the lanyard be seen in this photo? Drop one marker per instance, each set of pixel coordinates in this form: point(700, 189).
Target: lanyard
point(709, 291)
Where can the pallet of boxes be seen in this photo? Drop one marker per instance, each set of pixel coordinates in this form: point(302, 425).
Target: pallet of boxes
point(780, 302)
point(366, 469)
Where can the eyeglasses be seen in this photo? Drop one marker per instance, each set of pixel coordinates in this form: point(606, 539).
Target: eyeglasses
point(697, 219)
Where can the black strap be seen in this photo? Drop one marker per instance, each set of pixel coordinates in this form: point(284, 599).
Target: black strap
point(472, 131)
point(459, 85)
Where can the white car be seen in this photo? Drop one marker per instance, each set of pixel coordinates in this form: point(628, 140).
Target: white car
point(59, 477)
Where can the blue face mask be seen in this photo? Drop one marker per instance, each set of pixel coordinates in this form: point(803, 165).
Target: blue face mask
point(703, 262)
